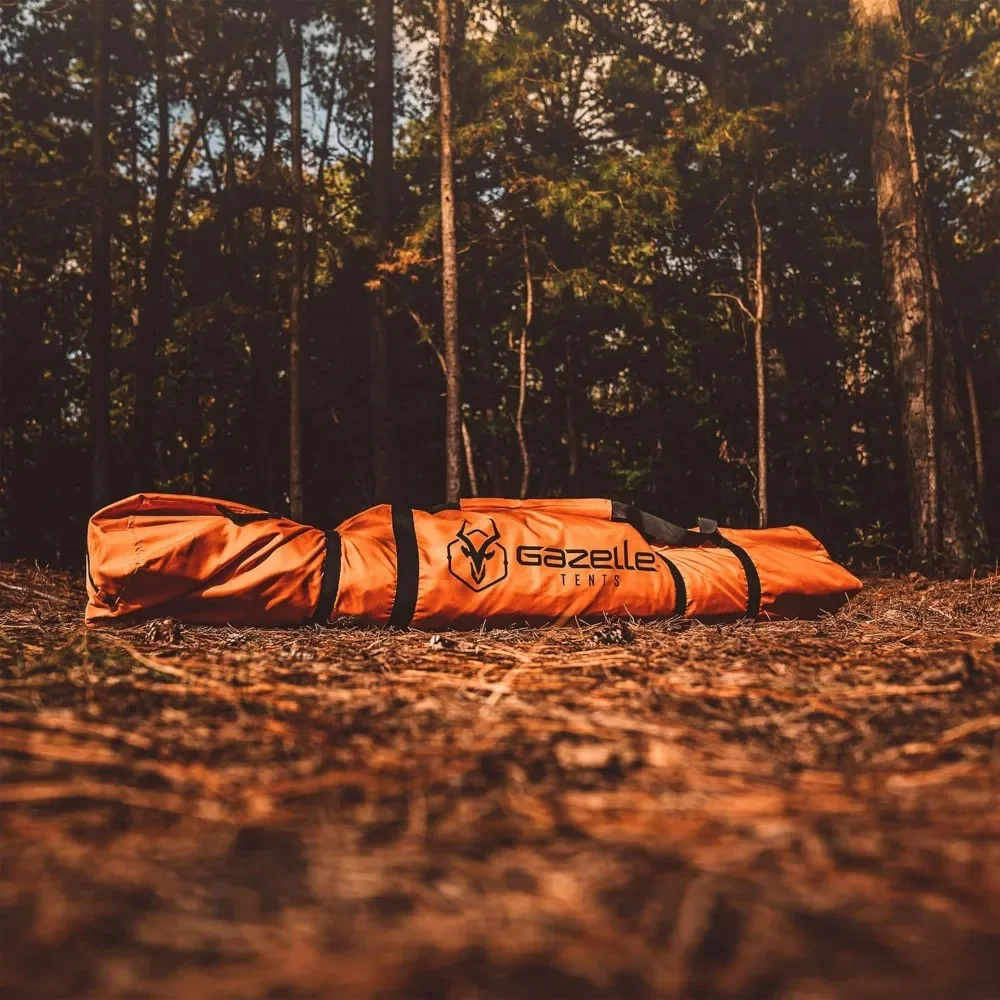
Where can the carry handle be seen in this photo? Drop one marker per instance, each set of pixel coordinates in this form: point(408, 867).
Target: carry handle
point(654, 529)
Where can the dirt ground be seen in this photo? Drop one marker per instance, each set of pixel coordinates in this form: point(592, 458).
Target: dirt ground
point(798, 810)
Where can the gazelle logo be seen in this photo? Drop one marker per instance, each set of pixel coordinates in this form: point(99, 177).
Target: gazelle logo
point(476, 557)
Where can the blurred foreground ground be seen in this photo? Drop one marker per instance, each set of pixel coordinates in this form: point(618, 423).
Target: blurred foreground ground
point(797, 810)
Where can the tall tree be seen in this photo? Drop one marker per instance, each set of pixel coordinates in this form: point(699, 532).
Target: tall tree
point(522, 367)
point(154, 319)
point(381, 380)
point(449, 267)
point(759, 364)
point(946, 524)
point(100, 320)
point(262, 387)
point(292, 34)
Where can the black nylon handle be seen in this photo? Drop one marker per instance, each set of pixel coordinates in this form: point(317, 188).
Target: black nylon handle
point(660, 532)
point(654, 529)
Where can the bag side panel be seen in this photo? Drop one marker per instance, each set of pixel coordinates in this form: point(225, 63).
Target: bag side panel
point(528, 563)
point(798, 578)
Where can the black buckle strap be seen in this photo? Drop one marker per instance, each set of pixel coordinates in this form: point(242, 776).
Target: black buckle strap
point(753, 577)
point(659, 532)
point(407, 567)
point(331, 579)
point(242, 519)
point(680, 588)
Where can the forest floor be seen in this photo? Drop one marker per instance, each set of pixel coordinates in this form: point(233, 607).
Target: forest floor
point(803, 810)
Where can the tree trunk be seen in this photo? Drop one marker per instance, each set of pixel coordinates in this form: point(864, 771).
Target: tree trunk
point(381, 378)
point(154, 318)
point(522, 382)
point(293, 56)
point(100, 323)
point(320, 200)
point(975, 422)
point(943, 510)
point(449, 277)
point(761, 368)
point(470, 457)
point(957, 358)
point(233, 264)
point(151, 322)
point(135, 223)
point(262, 367)
point(572, 436)
point(930, 347)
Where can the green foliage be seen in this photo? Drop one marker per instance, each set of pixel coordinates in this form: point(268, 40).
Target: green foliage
point(622, 151)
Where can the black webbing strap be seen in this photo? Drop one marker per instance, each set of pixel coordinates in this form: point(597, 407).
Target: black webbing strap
point(331, 579)
point(407, 567)
point(655, 529)
point(680, 589)
point(753, 577)
point(242, 519)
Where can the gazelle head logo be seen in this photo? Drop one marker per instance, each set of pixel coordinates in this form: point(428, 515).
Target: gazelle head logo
point(476, 558)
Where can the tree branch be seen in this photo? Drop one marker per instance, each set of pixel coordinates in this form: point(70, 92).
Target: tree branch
point(738, 301)
point(604, 26)
point(201, 123)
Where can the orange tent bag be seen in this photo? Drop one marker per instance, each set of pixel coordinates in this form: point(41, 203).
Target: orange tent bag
point(483, 560)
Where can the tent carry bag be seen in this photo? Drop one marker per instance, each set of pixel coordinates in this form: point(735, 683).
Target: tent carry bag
point(459, 565)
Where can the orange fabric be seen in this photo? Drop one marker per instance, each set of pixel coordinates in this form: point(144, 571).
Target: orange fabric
point(490, 561)
point(368, 566)
point(157, 554)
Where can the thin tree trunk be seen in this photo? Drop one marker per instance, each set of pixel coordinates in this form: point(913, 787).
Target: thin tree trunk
point(974, 418)
point(938, 466)
point(930, 359)
point(136, 223)
point(262, 389)
point(522, 384)
point(293, 56)
point(153, 319)
point(235, 256)
point(572, 436)
point(381, 377)
point(761, 368)
point(319, 203)
point(312, 255)
point(953, 420)
point(470, 458)
point(449, 277)
point(151, 322)
point(100, 324)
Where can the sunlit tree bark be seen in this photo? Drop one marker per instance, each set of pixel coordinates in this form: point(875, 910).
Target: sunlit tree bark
point(381, 386)
point(760, 365)
point(522, 367)
point(449, 276)
point(100, 321)
point(293, 54)
point(946, 524)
